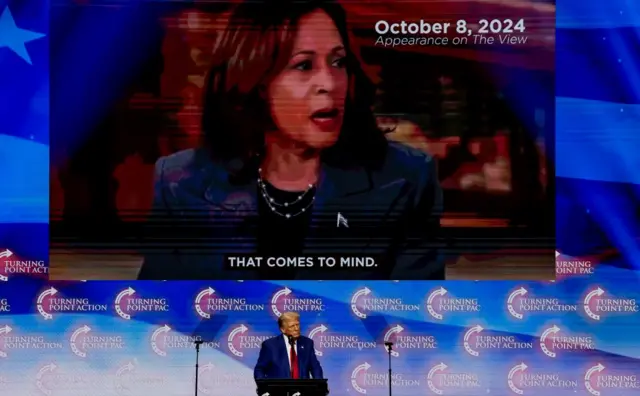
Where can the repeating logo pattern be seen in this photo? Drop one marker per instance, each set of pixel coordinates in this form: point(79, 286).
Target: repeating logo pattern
point(11, 265)
point(208, 303)
point(140, 338)
point(441, 303)
point(128, 304)
point(521, 303)
point(54, 327)
point(284, 300)
point(598, 303)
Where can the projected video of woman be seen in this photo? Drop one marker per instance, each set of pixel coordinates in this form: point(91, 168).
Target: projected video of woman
point(232, 133)
point(294, 163)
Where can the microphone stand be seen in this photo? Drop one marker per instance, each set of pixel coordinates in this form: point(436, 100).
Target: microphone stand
point(389, 346)
point(197, 343)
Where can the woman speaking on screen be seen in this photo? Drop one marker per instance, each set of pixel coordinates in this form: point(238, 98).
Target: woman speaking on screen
point(294, 164)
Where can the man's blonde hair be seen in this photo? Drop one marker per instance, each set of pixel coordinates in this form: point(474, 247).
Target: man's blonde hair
point(287, 316)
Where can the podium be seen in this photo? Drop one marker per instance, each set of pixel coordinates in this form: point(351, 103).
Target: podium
point(292, 387)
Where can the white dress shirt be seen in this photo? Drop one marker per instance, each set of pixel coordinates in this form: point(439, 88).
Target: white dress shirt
point(295, 345)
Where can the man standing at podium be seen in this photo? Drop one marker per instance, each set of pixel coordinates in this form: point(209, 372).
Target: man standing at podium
point(288, 355)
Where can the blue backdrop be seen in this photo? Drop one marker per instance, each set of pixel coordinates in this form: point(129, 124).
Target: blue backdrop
point(578, 335)
point(451, 338)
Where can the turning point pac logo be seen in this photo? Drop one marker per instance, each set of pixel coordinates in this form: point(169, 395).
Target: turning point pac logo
point(208, 302)
point(212, 378)
point(363, 303)
point(402, 340)
point(131, 379)
point(4, 305)
point(442, 381)
point(364, 378)
point(127, 304)
point(283, 300)
point(239, 339)
point(50, 303)
point(596, 303)
point(552, 341)
point(440, 301)
point(162, 340)
point(323, 340)
point(52, 379)
point(82, 340)
point(596, 380)
point(566, 265)
point(520, 379)
point(519, 303)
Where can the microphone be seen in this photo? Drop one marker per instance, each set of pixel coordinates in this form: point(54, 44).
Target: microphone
point(388, 344)
point(291, 340)
point(198, 342)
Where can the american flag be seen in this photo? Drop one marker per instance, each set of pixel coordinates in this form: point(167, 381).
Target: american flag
point(94, 49)
point(597, 135)
point(24, 133)
point(598, 128)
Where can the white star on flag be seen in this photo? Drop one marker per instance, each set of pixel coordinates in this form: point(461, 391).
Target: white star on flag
point(15, 38)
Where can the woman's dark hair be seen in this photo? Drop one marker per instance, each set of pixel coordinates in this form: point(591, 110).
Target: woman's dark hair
point(253, 49)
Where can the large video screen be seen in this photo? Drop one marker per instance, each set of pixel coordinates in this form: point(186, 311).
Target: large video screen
point(305, 140)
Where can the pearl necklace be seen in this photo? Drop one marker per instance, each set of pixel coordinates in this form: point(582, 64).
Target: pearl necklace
point(275, 206)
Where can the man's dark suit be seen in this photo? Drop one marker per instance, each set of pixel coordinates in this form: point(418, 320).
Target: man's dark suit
point(392, 212)
point(273, 362)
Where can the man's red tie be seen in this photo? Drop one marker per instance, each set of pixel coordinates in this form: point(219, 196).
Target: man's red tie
point(295, 372)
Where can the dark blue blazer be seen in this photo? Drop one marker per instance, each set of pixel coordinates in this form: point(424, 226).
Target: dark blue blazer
point(392, 211)
point(273, 362)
